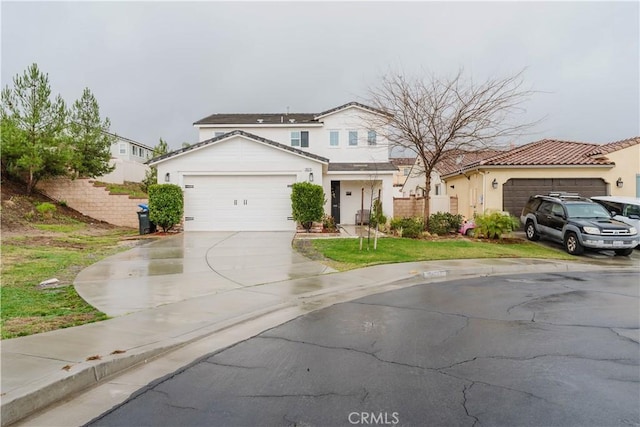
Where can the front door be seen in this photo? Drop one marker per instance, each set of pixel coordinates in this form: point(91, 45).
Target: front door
point(335, 201)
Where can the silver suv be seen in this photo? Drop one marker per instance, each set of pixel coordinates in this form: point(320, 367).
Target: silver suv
point(577, 223)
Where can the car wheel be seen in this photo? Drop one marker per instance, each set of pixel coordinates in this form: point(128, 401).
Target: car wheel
point(470, 232)
point(531, 232)
point(624, 252)
point(572, 244)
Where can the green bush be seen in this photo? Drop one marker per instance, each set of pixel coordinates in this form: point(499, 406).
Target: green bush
point(166, 205)
point(46, 209)
point(444, 223)
point(408, 227)
point(494, 225)
point(307, 203)
point(377, 218)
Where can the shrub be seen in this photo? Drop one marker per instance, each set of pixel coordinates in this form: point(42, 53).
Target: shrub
point(46, 209)
point(408, 227)
point(377, 217)
point(494, 225)
point(329, 223)
point(307, 203)
point(165, 205)
point(444, 223)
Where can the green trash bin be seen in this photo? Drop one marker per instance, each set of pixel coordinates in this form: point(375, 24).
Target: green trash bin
point(144, 224)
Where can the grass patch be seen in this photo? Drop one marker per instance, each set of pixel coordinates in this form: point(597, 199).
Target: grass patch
point(133, 189)
point(26, 262)
point(346, 255)
point(61, 228)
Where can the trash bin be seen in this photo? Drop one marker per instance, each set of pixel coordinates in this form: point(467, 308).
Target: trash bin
point(144, 224)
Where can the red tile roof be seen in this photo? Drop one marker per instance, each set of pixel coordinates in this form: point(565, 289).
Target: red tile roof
point(455, 160)
point(403, 161)
point(548, 152)
point(614, 146)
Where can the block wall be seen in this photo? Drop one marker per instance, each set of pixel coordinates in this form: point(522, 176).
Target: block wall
point(96, 202)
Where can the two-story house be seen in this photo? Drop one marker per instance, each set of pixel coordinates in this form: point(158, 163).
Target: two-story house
point(239, 176)
point(128, 157)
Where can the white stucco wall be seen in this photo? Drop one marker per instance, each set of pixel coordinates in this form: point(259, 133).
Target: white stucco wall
point(350, 204)
point(342, 121)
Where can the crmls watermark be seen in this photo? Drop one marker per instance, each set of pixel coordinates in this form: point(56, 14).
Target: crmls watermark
point(374, 418)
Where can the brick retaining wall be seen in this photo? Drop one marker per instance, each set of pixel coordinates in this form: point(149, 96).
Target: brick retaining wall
point(96, 202)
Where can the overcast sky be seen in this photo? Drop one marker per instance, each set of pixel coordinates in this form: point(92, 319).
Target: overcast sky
point(157, 67)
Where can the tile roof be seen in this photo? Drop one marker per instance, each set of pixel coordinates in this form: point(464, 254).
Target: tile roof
point(455, 160)
point(403, 161)
point(361, 167)
point(614, 146)
point(242, 133)
point(547, 152)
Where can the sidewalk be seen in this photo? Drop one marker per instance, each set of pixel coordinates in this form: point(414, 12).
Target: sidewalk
point(172, 292)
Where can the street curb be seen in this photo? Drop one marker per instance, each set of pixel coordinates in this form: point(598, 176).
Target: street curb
point(88, 374)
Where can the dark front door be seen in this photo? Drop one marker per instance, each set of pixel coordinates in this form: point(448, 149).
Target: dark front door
point(335, 201)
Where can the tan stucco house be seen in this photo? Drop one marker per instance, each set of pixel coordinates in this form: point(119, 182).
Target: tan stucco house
point(505, 181)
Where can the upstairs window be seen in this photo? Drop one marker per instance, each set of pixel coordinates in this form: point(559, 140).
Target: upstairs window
point(122, 148)
point(371, 137)
point(299, 138)
point(334, 138)
point(353, 138)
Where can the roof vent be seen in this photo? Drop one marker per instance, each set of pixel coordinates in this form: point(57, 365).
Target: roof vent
point(260, 120)
point(292, 120)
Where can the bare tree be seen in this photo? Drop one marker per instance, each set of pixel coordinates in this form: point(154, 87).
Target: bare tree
point(433, 117)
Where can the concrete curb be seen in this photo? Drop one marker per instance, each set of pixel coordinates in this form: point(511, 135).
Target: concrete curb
point(81, 376)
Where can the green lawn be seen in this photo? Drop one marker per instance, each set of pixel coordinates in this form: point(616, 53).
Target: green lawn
point(27, 261)
point(346, 253)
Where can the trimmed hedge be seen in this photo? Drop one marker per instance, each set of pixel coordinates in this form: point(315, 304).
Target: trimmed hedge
point(166, 205)
point(307, 203)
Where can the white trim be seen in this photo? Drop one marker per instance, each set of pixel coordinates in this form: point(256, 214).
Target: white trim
point(258, 125)
point(210, 144)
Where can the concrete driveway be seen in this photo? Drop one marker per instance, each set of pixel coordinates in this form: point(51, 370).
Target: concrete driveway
point(190, 265)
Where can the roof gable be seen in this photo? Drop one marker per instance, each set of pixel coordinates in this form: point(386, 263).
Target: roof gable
point(228, 135)
point(351, 105)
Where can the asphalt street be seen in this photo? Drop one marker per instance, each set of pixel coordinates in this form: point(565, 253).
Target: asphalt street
point(557, 349)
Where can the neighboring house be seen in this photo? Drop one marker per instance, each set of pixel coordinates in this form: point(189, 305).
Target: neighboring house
point(452, 161)
point(505, 181)
point(128, 157)
point(404, 165)
point(239, 176)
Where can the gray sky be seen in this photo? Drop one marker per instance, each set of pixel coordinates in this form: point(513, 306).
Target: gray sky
point(157, 67)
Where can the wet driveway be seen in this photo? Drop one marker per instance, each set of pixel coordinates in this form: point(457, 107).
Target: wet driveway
point(557, 349)
point(190, 265)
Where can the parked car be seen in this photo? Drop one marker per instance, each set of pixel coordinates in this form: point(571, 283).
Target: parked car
point(577, 223)
point(625, 209)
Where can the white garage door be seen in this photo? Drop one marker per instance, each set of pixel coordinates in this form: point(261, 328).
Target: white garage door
point(238, 203)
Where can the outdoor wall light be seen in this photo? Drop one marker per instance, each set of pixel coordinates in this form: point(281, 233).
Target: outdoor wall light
point(167, 177)
point(619, 183)
point(494, 183)
point(310, 176)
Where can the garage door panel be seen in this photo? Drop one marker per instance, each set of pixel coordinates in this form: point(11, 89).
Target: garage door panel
point(238, 203)
point(516, 191)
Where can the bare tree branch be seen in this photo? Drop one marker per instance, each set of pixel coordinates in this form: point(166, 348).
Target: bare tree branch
point(435, 116)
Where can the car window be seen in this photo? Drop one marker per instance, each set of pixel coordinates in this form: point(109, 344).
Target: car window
point(545, 207)
point(632, 211)
point(587, 210)
point(611, 206)
point(556, 209)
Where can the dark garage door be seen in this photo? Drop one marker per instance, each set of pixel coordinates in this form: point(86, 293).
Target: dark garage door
point(516, 191)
